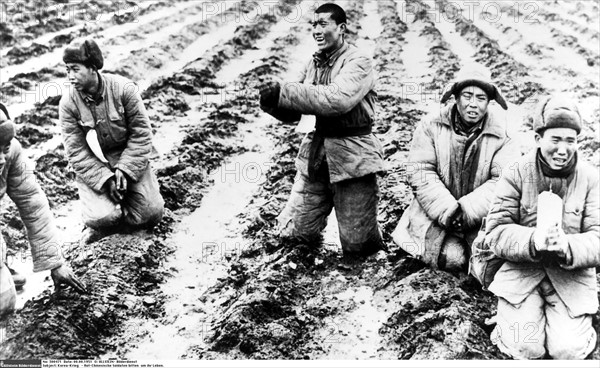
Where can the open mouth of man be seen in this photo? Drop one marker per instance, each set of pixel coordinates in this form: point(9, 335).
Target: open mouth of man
point(559, 161)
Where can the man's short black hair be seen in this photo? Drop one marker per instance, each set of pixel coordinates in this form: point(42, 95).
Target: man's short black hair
point(337, 13)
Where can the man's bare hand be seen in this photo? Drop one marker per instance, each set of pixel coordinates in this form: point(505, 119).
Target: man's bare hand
point(456, 220)
point(121, 180)
point(557, 241)
point(63, 275)
point(540, 240)
point(113, 192)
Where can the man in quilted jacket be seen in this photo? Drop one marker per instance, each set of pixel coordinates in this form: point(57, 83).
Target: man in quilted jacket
point(456, 157)
point(338, 161)
point(108, 140)
point(19, 183)
point(547, 291)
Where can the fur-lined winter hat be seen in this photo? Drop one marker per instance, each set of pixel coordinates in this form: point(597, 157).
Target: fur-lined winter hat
point(474, 75)
point(86, 52)
point(557, 112)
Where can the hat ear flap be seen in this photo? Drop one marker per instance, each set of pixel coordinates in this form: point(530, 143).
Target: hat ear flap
point(499, 98)
point(448, 92)
point(538, 113)
point(4, 110)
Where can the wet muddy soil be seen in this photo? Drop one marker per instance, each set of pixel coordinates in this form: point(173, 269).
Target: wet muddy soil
point(214, 276)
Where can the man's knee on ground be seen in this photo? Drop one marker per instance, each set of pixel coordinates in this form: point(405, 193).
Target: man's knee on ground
point(150, 214)
point(102, 219)
point(155, 215)
point(361, 243)
point(510, 344)
point(285, 229)
point(288, 230)
point(362, 249)
point(520, 331)
point(453, 255)
point(570, 346)
point(294, 224)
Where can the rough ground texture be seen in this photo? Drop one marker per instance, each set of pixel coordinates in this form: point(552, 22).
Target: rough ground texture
point(279, 298)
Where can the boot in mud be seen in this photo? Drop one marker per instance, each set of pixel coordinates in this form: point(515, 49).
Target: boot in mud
point(18, 279)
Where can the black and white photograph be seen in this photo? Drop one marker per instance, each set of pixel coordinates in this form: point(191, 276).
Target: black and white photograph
point(253, 183)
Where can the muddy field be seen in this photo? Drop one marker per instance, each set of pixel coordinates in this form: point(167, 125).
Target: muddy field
point(213, 280)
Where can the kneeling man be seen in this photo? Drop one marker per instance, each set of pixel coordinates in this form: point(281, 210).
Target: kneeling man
point(546, 289)
point(108, 140)
point(454, 163)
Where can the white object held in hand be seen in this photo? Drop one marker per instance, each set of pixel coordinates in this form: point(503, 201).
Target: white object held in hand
point(306, 124)
point(549, 211)
point(92, 140)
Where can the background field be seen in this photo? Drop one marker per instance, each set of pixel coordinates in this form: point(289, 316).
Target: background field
point(213, 281)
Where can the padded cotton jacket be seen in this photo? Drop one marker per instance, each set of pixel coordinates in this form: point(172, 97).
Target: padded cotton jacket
point(122, 126)
point(441, 180)
point(333, 89)
point(512, 222)
point(18, 180)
